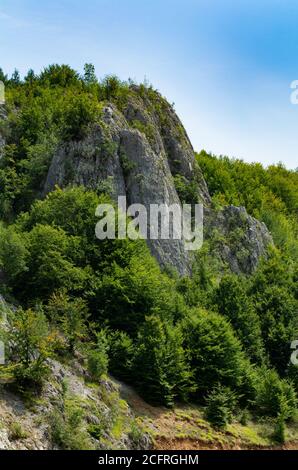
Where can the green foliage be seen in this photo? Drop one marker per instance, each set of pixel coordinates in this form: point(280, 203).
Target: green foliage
point(270, 195)
point(3, 76)
point(233, 302)
point(73, 211)
point(160, 367)
point(15, 77)
point(197, 290)
point(29, 343)
point(68, 429)
point(147, 129)
point(113, 88)
point(13, 253)
point(275, 397)
point(51, 264)
point(273, 292)
point(121, 351)
point(59, 75)
point(161, 333)
point(80, 112)
point(280, 430)
point(70, 316)
point(97, 357)
point(187, 190)
point(16, 432)
point(126, 295)
point(221, 406)
point(216, 356)
point(136, 434)
point(89, 74)
point(30, 77)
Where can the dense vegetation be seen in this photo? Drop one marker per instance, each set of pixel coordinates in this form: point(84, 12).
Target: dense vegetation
point(219, 340)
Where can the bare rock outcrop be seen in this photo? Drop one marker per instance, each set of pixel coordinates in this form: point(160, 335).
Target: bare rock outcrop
point(137, 152)
point(238, 239)
point(137, 166)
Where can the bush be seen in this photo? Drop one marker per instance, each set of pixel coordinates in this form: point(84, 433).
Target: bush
point(216, 356)
point(275, 397)
point(70, 316)
point(233, 302)
point(160, 367)
point(13, 253)
point(188, 192)
point(68, 430)
point(51, 264)
point(97, 357)
point(121, 352)
point(221, 403)
point(81, 111)
point(30, 342)
point(280, 431)
point(17, 432)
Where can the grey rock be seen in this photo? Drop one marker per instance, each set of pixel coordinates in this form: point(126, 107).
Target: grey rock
point(139, 169)
point(137, 153)
point(4, 440)
point(238, 239)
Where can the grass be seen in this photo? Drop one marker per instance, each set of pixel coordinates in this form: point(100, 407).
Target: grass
point(16, 432)
point(185, 427)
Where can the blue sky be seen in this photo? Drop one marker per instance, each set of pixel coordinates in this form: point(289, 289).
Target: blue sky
point(227, 65)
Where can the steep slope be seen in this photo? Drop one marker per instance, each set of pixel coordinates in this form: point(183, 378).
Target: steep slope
point(139, 152)
point(69, 413)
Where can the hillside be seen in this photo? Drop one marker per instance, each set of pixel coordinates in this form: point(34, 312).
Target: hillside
point(206, 334)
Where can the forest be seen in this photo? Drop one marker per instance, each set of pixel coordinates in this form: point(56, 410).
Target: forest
point(218, 339)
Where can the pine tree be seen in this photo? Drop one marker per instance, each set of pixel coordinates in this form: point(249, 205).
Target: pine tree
point(159, 366)
point(15, 78)
point(89, 74)
point(233, 302)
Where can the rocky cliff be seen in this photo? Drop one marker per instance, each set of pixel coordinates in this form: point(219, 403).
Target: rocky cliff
point(137, 152)
point(139, 149)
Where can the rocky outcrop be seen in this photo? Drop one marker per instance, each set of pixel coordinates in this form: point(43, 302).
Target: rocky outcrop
point(136, 165)
point(30, 427)
point(236, 238)
point(137, 152)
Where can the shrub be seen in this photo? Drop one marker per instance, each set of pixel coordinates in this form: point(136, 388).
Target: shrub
point(81, 111)
point(275, 396)
point(244, 417)
point(160, 367)
point(17, 432)
point(215, 353)
point(13, 253)
point(121, 352)
point(221, 404)
point(280, 432)
point(68, 430)
point(97, 357)
point(233, 302)
point(188, 192)
point(30, 342)
point(70, 316)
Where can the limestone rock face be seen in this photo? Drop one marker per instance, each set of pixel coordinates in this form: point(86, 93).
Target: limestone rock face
point(137, 152)
point(36, 424)
point(238, 239)
point(136, 166)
